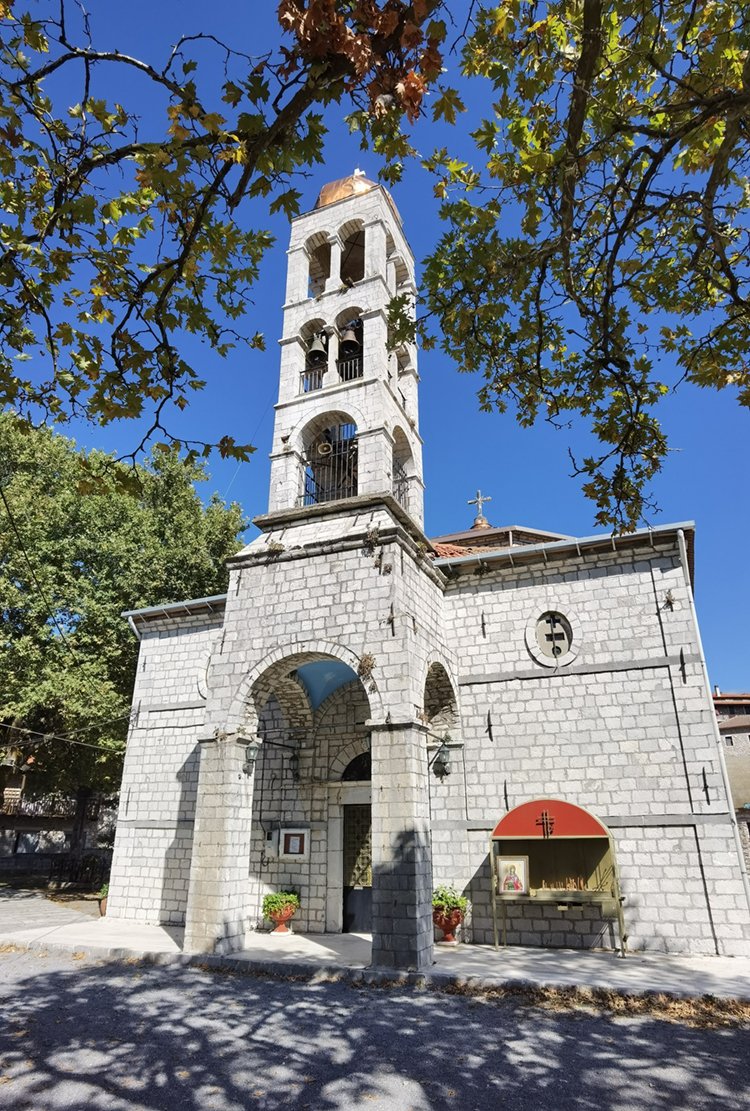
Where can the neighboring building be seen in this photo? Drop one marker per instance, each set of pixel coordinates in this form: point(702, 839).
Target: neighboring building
point(733, 715)
point(357, 713)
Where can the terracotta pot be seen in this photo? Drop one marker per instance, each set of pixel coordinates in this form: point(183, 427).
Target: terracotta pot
point(447, 921)
point(281, 917)
point(103, 906)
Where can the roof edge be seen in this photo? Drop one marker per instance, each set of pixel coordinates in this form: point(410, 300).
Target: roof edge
point(178, 609)
point(609, 540)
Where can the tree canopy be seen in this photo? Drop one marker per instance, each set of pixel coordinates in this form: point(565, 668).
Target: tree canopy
point(69, 565)
point(121, 233)
point(595, 234)
point(599, 234)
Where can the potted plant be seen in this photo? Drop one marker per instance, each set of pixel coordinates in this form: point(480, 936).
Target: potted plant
point(280, 906)
point(448, 910)
point(101, 895)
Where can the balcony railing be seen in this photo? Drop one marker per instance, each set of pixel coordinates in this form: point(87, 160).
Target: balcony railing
point(349, 369)
point(400, 485)
point(312, 379)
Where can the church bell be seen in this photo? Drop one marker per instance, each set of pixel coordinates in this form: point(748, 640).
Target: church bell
point(317, 355)
point(349, 345)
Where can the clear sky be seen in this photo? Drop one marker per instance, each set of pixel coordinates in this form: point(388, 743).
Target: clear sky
point(526, 472)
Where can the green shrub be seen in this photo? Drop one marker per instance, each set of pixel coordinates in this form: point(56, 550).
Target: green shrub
point(277, 900)
point(445, 899)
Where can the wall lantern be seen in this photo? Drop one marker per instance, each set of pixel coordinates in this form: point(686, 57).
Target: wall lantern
point(252, 748)
point(441, 761)
point(294, 766)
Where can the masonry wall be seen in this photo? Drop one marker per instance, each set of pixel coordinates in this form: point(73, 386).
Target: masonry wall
point(154, 838)
point(624, 730)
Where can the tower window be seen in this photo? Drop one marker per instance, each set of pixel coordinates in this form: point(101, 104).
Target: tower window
point(352, 253)
point(553, 635)
point(350, 363)
point(319, 255)
point(330, 465)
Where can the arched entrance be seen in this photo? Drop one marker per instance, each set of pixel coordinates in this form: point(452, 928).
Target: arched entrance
point(312, 714)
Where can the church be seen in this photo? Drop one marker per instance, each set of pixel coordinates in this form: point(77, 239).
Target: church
point(368, 713)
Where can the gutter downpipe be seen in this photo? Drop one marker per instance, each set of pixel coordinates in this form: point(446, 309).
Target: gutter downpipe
point(717, 734)
point(134, 628)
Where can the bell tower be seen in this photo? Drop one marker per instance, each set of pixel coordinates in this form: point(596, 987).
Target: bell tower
point(346, 421)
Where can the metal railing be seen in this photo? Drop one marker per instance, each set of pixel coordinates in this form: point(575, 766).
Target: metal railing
point(47, 806)
point(330, 468)
point(312, 379)
point(349, 369)
point(400, 484)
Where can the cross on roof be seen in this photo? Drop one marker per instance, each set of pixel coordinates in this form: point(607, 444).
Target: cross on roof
point(479, 501)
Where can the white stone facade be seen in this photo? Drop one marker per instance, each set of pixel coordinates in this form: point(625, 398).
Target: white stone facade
point(344, 631)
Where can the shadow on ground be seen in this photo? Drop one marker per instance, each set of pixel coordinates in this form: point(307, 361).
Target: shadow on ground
point(132, 1037)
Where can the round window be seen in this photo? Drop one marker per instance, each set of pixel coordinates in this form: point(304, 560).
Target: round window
point(554, 635)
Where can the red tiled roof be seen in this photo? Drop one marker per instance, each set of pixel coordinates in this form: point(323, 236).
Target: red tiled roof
point(445, 551)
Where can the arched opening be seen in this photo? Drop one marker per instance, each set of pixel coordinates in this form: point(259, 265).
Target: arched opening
point(402, 468)
point(318, 251)
point(309, 835)
point(350, 364)
point(329, 459)
point(401, 273)
point(359, 769)
point(315, 343)
point(440, 708)
point(352, 236)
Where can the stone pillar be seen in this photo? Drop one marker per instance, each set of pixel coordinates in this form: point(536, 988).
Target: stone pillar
point(297, 275)
point(216, 917)
point(402, 928)
point(375, 250)
point(333, 280)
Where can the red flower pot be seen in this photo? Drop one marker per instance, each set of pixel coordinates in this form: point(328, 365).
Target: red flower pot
point(281, 917)
point(448, 921)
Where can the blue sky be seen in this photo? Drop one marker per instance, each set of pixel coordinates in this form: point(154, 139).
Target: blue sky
point(527, 472)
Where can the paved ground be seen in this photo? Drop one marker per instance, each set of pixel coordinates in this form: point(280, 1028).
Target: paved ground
point(109, 1036)
point(27, 917)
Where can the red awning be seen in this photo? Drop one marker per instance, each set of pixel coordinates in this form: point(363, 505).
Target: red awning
point(549, 818)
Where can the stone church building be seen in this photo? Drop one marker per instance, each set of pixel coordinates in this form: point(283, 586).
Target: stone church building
point(368, 713)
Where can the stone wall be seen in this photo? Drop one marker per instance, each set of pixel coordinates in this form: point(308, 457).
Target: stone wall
point(153, 843)
point(625, 729)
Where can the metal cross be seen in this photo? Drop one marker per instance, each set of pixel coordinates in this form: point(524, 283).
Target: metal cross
point(479, 501)
point(547, 822)
point(551, 637)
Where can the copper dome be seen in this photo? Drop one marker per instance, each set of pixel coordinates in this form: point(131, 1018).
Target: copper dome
point(351, 186)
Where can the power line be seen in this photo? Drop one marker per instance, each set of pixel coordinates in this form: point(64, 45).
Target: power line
point(65, 738)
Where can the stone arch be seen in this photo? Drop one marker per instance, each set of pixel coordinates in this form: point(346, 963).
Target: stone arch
point(330, 459)
point(440, 706)
point(401, 272)
point(345, 756)
point(301, 435)
point(318, 251)
point(292, 700)
point(350, 326)
point(313, 336)
point(352, 237)
point(402, 467)
point(310, 327)
point(242, 712)
point(325, 707)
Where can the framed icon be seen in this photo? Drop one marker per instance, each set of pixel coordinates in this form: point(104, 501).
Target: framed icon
point(512, 875)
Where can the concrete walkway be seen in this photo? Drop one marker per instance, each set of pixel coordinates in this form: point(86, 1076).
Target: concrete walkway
point(29, 919)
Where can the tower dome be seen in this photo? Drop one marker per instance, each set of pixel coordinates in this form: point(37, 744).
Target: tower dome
point(351, 186)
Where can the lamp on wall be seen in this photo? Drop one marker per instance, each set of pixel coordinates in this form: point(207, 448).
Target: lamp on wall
point(294, 765)
point(441, 761)
point(252, 748)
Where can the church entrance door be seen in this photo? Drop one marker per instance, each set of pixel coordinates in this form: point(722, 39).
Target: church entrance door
point(357, 916)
